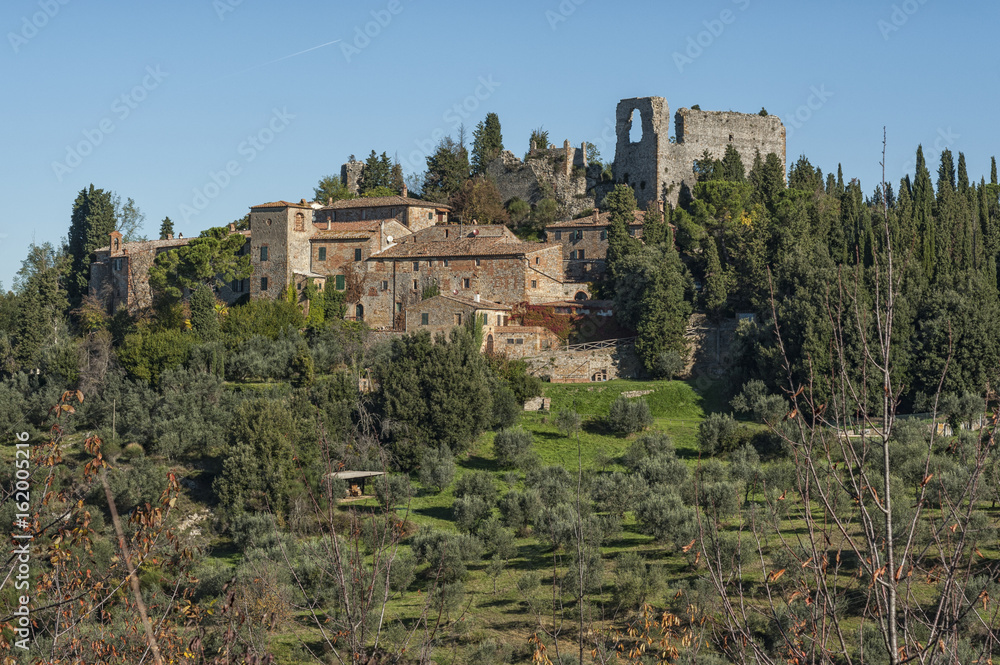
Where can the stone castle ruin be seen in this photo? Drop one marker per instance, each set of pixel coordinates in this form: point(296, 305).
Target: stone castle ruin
point(658, 166)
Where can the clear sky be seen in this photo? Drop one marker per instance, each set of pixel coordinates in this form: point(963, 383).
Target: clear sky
point(155, 99)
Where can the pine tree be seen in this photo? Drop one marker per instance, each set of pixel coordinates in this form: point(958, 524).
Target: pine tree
point(732, 165)
point(447, 169)
point(716, 291)
point(166, 228)
point(204, 318)
point(621, 205)
point(377, 172)
point(91, 224)
point(487, 143)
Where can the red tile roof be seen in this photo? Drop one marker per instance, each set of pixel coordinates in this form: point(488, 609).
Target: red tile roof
point(604, 219)
point(470, 247)
point(281, 204)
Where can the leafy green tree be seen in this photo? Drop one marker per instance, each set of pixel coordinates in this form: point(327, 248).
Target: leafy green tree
point(166, 228)
point(543, 213)
point(331, 189)
point(487, 143)
point(568, 422)
point(437, 468)
point(512, 447)
point(664, 516)
point(213, 258)
point(429, 390)
point(669, 364)
point(518, 210)
point(719, 433)
point(628, 416)
point(257, 471)
point(479, 201)
point(128, 219)
point(755, 400)
point(447, 169)
point(92, 222)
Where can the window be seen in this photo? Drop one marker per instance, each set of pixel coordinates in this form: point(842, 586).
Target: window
point(519, 341)
point(263, 253)
point(604, 235)
point(424, 318)
point(572, 255)
point(399, 307)
point(416, 266)
point(478, 263)
point(458, 319)
point(263, 283)
point(579, 234)
point(300, 222)
point(357, 254)
point(415, 287)
point(430, 215)
point(534, 283)
point(558, 235)
point(359, 313)
point(537, 260)
point(339, 282)
point(631, 232)
point(465, 282)
point(510, 340)
point(579, 254)
point(322, 253)
point(385, 285)
point(445, 263)
point(299, 285)
point(118, 264)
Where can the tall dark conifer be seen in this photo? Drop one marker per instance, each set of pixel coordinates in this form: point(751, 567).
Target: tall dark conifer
point(923, 215)
point(91, 224)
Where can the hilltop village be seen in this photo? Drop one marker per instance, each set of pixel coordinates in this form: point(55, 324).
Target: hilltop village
point(389, 253)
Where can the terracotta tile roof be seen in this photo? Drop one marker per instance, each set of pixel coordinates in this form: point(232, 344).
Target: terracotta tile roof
point(588, 222)
point(471, 247)
point(281, 204)
point(383, 201)
point(367, 225)
point(147, 245)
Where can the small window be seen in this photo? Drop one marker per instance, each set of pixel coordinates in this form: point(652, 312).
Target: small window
point(445, 262)
point(458, 319)
point(385, 285)
point(340, 282)
point(300, 222)
point(263, 283)
point(510, 340)
point(580, 254)
point(534, 283)
point(299, 285)
point(399, 307)
point(430, 215)
point(415, 287)
point(322, 253)
point(416, 266)
point(572, 255)
point(263, 253)
point(478, 263)
point(558, 235)
point(579, 234)
point(118, 264)
point(424, 318)
point(519, 341)
point(357, 254)
point(604, 235)
point(465, 282)
point(537, 260)
point(631, 232)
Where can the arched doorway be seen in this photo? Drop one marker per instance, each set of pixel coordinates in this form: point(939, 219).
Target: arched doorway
point(581, 295)
point(359, 312)
point(489, 344)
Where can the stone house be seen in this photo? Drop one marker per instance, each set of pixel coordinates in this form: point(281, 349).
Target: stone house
point(520, 341)
point(119, 274)
point(443, 312)
point(585, 243)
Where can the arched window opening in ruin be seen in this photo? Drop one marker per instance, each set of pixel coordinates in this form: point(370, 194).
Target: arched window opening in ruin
point(635, 130)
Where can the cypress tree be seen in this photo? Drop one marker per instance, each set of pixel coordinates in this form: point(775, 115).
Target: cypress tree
point(204, 318)
point(963, 175)
point(166, 228)
point(993, 170)
point(92, 222)
point(716, 291)
point(923, 217)
point(487, 143)
point(621, 205)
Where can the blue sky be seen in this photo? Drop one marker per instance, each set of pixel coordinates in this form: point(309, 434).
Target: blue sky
point(201, 108)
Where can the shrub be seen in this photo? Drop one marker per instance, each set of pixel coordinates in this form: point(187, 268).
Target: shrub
point(628, 416)
point(133, 450)
point(511, 447)
point(139, 485)
point(470, 512)
point(520, 509)
point(568, 422)
point(477, 483)
point(437, 468)
point(392, 489)
point(253, 531)
point(718, 434)
point(446, 553)
point(761, 406)
point(650, 444)
point(665, 517)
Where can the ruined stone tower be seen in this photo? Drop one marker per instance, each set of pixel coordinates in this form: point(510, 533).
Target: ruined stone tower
point(657, 168)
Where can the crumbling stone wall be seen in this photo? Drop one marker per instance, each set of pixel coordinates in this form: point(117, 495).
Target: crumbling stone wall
point(658, 168)
point(571, 366)
point(558, 172)
point(350, 175)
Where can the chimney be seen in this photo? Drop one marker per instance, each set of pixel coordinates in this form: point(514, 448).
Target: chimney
point(406, 192)
point(170, 236)
point(597, 216)
point(232, 227)
point(302, 202)
point(583, 149)
point(329, 200)
point(569, 157)
point(477, 296)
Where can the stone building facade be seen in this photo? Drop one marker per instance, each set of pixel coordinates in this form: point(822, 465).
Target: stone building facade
point(443, 312)
point(119, 274)
point(659, 167)
point(585, 243)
